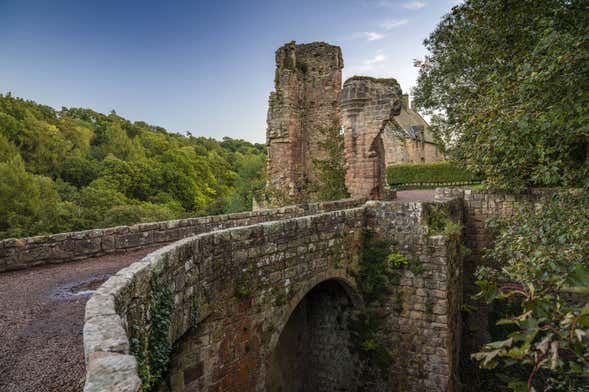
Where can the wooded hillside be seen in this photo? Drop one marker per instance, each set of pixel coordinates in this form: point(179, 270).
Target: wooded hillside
point(77, 169)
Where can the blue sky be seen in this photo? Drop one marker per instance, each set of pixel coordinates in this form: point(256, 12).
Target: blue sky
point(204, 67)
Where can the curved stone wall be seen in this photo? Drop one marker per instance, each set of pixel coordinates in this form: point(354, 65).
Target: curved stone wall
point(236, 286)
point(223, 298)
point(59, 248)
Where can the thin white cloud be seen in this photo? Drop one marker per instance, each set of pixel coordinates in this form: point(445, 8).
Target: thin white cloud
point(414, 5)
point(379, 58)
point(372, 36)
point(394, 23)
point(369, 36)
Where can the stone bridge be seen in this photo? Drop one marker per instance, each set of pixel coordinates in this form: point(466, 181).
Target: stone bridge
point(267, 307)
point(252, 301)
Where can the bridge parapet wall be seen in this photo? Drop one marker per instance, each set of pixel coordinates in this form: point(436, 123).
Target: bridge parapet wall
point(423, 307)
point(28, 252)
point(240, 283)
point(237, 288)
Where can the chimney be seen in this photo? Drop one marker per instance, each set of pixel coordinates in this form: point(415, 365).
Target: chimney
point(405, 101)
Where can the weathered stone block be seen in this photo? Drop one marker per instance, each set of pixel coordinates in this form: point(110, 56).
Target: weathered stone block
point(112, 372)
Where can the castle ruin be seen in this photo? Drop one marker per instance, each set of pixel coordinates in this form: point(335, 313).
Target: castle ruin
point(304, 104)
point(379, 127)
point(368, 105)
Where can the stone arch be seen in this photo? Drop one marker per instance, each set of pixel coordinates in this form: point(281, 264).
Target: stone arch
point(312, 348)
point(367, 105)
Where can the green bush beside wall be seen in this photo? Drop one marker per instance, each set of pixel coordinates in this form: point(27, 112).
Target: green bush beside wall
point(428, 174)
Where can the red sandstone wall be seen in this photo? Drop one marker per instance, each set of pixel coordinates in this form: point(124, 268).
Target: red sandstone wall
point(367, 105)
point(307, 85)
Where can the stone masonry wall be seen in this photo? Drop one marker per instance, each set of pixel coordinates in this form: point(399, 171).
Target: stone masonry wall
point(304, 103)
point(235, 289)
point(481, 205)
point(367, 106)
point(59, 248)
point(423, 310)
point(237, 286)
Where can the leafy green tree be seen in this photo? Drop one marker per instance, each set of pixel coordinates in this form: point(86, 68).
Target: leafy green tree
point(540, 268)
point(139, 213)
point(8, 150)
point(250, 181)
point(78, 170)
point(30, 203)
point(98, 198)
point(99, 170)
point(508, 83)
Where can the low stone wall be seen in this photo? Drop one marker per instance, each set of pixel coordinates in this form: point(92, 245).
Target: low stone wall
point(58, 248)
point(235, 290)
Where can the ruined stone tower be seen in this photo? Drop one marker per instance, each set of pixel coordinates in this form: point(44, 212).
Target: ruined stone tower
point(367, 105)
point(304, 103)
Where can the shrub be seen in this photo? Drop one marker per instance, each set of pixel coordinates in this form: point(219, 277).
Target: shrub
point(432, 174)
point(539, 268)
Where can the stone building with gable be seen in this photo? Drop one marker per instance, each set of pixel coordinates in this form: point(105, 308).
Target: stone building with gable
point(408, 138)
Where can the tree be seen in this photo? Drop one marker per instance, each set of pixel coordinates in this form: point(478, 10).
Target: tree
point(250, 180)
point(30, 203)
point(98, 170)
point(508, 81)
point(539, 275)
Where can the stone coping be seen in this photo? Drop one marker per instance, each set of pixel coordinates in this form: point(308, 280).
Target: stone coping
point(28, 252)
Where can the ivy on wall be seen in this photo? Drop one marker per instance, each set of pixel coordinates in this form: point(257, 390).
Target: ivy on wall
point(151, 345)
point(379, 270)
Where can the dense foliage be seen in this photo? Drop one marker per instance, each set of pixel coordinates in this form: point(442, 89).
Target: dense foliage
point(331, 184)
point(507, 83)
point(429, 174)
point(539, 270)
point(77, 169)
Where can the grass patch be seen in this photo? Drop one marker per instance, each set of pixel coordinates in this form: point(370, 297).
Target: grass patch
point(439, 223)
point(243, 291)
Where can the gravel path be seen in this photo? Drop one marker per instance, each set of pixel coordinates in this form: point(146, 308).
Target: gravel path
point(416, 195)
point(41, 321)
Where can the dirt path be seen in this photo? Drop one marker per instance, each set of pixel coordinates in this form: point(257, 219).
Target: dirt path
point(416, 195)
point(41, 319)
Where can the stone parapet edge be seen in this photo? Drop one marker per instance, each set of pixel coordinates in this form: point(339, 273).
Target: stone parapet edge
point(23, 253)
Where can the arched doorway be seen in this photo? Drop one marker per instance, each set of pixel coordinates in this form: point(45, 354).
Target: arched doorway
point(314, 351)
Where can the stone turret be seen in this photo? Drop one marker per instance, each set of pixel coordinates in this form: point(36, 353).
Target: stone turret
point(304, 103)
point(367, 105)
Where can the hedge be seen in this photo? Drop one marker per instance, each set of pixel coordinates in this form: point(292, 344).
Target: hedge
point(428, 175)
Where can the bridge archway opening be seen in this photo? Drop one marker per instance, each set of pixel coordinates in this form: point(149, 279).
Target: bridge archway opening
point(314, 351)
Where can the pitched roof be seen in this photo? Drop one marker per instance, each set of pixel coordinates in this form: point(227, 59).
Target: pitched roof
point(411, 122)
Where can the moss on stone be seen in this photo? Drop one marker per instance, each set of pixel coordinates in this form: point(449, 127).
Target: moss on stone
point(194, 310)
point(243, 291)
point(279, 296)
point(374, 283)
point(378, 80)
